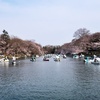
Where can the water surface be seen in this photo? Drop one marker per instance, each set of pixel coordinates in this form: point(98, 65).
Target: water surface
point(69, 79)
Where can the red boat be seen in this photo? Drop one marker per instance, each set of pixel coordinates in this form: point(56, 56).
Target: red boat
point(45, 59)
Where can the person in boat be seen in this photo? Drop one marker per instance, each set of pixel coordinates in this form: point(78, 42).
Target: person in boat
point(13, 59)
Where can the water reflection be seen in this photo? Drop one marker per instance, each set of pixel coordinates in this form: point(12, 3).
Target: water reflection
point(6, 64)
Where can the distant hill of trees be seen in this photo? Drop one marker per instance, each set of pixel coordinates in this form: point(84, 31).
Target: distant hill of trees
point(11, 45)
point(83, 42)
point(88, 44)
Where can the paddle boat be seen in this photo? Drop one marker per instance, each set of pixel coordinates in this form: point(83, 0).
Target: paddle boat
point(64, 56)
point(33, 58)
point(81, 56)
point(45, 59)
point(88, 60)
point(57, 58)
point(95, 60)
point(95, 63)
point(4, 59)
point(75, 56)
point(14, 60)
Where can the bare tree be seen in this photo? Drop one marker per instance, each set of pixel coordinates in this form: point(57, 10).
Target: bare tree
point(81, 32)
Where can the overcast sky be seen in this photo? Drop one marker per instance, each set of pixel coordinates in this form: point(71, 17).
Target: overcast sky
point(49, 22)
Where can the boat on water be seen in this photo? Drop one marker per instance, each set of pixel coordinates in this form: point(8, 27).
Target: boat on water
point(95, 60)
point(88, 60)
point(45, 59)
point(95, 63)
point(64, 56)
point(13, 62)
point(57, 58)
point(33, 58)
point(76, 56)
point(4, 59)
